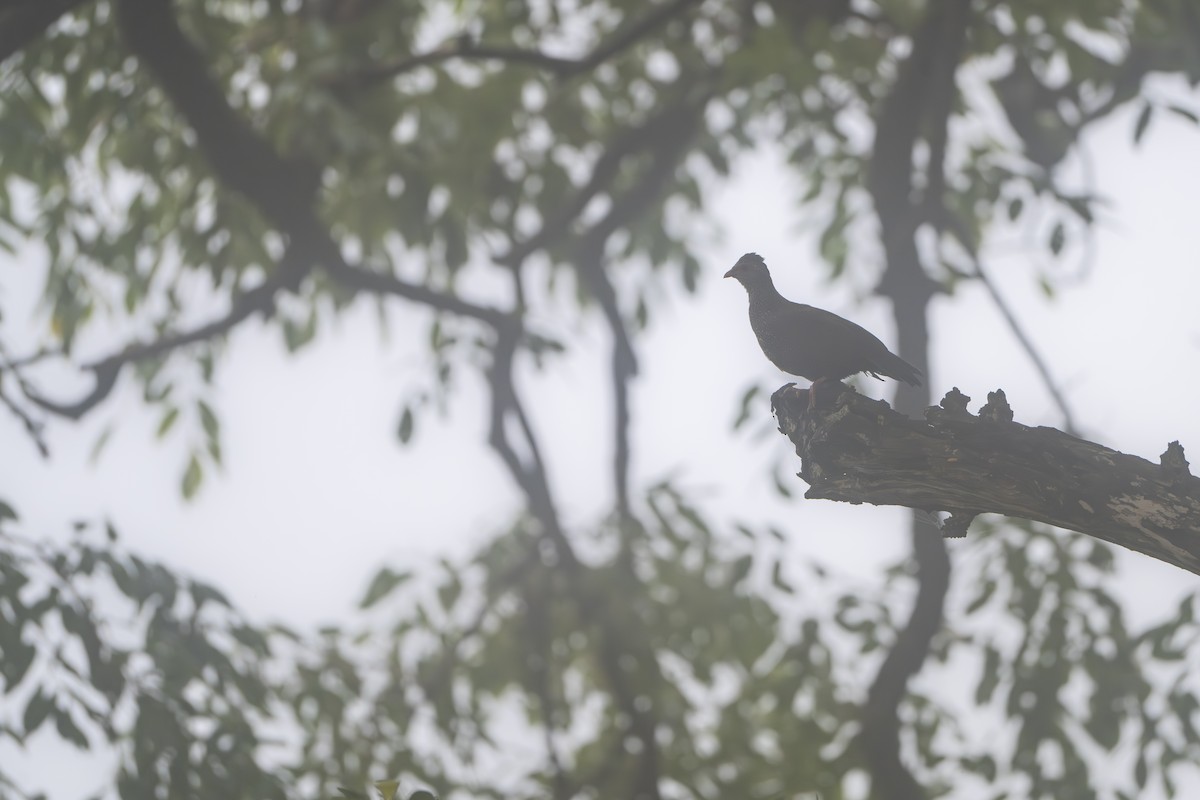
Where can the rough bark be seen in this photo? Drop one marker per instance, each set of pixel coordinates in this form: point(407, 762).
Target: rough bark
point(860, 450)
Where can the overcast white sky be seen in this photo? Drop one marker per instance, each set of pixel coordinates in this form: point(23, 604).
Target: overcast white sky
point(316, 493)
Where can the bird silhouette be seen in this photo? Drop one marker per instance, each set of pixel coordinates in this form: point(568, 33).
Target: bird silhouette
point(811, 342)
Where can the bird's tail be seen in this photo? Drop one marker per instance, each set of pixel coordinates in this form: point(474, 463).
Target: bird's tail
point(896, 367)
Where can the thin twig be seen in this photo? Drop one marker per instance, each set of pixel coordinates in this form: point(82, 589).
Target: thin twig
point(1028, 346)
point(463, 48)
point(32, 426)
point(533, 479)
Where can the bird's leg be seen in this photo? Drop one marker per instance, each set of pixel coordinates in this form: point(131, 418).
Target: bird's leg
point(812, 393)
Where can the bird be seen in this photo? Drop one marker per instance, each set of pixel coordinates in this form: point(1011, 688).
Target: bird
point(810, 342)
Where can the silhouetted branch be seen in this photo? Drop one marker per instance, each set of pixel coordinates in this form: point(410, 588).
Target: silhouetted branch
point(464, 48)
point(953, 223)
point(919, 102)
point(283, 190)
point(533, 479)
point(859, 450)
point(661, 141)
point(260, 299)
point(33, 427)
point(1018, 331)
point(629, 143)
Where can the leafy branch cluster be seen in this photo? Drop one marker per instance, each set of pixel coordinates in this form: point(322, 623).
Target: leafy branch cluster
point(285, 160)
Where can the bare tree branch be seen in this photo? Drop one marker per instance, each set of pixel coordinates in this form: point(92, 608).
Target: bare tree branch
point(1031, 350)
point(463, 48)
point(657, 129)
point(859, 450)
point(661, 141)
point(532, 477)
point(666, 149)
point(33, 427)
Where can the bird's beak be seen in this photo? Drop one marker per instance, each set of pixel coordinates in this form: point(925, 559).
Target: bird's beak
point(730, 273)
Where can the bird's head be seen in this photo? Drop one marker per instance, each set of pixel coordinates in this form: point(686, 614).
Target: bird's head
point(750, 270)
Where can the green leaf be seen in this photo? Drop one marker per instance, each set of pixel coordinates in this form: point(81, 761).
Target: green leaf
point(167, 421)
point(192, 477)
point(748, 397)
point(208, 420)
point(740, 569)
point(986, 589)
point(36, 711)
point(384, 582)
point(1058, 238)
point(1015, 207)
point(990, 677)
point(1143, 122)
point(404, 430)
point(101, 442)
point(68, 730)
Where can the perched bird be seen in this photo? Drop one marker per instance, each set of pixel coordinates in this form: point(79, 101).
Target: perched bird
point(811, 342)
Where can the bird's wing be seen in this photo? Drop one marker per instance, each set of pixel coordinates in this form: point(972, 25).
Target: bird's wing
point(823, 325)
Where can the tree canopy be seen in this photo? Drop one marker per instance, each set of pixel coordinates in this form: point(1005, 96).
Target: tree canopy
point(184, 168)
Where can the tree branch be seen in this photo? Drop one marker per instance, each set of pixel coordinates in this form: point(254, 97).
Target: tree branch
point(33, 427)
point(921, 99)
point(1039, 363)
point(464, 48)
point(859, 450)
point(283, 190)
point(260, 299)
point(667, 145)
point(533, 479)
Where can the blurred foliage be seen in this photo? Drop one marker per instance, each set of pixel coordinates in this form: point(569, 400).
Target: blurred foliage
point(759, 668)
point(446, 137)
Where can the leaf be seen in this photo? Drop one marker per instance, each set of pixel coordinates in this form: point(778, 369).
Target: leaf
point(1188, 114)
point(387, 788)
point(7, 512)
point(1058, 238)
point(208, 420)
point(780, 582)
point(405, 429)
point(986, 589)
point(203, 593)
point(384, 582)
point(748, 397)
point(101, 442)
point(192, 477)
point(18, 658)
point(1015, 207)
point(68, 730)
point(740, 569)
point(1143, 122)
point(990, 678)
point(167, 421)
point(36, 711)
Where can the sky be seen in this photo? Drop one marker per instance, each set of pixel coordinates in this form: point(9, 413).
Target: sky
point(316, 494)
